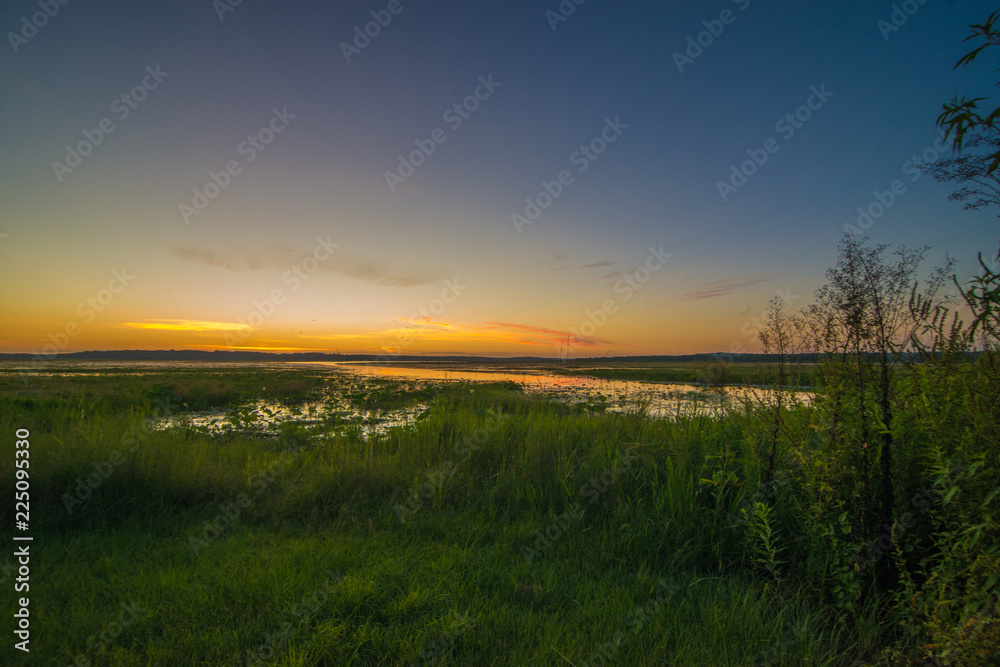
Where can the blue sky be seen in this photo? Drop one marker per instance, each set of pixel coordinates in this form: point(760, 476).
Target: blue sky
point(323, 176)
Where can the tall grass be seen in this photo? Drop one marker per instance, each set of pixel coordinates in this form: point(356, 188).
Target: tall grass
point(553, 533)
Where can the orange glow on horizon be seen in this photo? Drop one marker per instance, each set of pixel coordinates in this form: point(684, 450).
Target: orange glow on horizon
point(396, 336)
point(185, 325)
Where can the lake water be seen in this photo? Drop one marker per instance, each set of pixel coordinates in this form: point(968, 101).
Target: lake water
point(655, 399)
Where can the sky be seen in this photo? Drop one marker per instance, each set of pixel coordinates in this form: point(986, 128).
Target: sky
point(406, 177)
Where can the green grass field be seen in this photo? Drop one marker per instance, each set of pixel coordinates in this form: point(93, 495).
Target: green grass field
point(494, 529)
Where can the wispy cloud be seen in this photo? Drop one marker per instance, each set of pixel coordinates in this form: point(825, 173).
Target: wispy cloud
point(558, 264)
point(532, 335)
point(426, 330)
point(723, 287)
point(370, 270)
point(257, 348)
point(431, 329)
point(184, 325)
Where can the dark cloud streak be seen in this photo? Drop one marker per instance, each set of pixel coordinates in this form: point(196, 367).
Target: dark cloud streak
point(369, 270)
point(723, 287)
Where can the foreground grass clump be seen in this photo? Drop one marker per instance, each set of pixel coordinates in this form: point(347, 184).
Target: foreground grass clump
point(496, 528)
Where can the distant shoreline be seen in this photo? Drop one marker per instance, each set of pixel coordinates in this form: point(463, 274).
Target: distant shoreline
point(219, 355)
